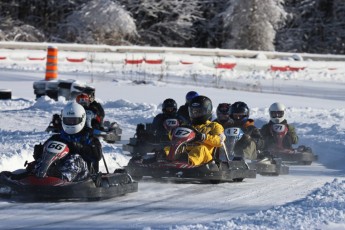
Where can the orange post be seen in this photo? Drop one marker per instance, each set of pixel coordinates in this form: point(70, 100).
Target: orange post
point(51, 66)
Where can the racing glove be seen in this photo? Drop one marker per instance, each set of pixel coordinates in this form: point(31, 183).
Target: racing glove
point(38, 150)
point(287, 140)
point(244, 141)
point(75, 147)
point(199, 136)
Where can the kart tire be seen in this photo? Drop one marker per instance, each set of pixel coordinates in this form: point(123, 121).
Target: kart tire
point(137, 178)
point(5, 94)
point(214, 181)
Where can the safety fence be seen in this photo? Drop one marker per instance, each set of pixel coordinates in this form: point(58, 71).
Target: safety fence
point(210, 67)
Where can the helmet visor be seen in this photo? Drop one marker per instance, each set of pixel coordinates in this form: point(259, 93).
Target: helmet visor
point(223, 116)
point(277, 114)
point(196, 112)
point(238, 116)
point(72, 120)
point(169, 109)
point(223, 110)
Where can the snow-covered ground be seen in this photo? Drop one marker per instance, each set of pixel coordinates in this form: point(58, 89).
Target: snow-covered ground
point(310, 197)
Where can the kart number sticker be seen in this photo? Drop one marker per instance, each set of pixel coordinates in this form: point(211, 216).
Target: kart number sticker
point(182, 132)
point(232, 132)
point(278, 128)
point(171, 122)
point(55, 146)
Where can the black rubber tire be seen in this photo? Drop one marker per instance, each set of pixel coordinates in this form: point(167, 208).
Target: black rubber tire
point(214, 181)
point(137, 178)
point(238, 179)
point(120, 170)
point(5, 94)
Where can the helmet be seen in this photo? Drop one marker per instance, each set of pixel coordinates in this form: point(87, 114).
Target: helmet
point(90, 91)
point(83, 99)
point(169, 106)
point(223, 112)
point(73, 118)
point(239, 111)
point(190, 95)
point(277, 112)
point(200, 110)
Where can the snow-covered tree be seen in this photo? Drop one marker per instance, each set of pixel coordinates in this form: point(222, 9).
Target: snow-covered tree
point(315, 26)
point(164, 23)
point(252, 24)
point(209, 28)
point(101, 22)
point(34, 20)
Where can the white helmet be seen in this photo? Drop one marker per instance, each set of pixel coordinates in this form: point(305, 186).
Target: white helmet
point(277, 112)
point(73, 118)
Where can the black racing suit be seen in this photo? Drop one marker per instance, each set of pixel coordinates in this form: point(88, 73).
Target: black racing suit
point(82, 144)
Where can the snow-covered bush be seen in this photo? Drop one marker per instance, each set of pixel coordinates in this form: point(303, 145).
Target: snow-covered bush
point(101, 22)
point(15, 30)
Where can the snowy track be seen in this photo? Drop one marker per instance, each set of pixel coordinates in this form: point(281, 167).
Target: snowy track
point(160, 205)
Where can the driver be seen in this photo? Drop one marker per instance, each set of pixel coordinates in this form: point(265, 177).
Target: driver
point(209, 135)
point(251, 140)
point(85, 150)
point(277, 117)
point(167, 120)
point(94, 111)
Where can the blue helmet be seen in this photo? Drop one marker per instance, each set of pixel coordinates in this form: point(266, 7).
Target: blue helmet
point(190, 95)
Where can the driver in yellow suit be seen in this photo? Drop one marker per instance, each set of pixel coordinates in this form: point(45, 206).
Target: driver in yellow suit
point(209, 135)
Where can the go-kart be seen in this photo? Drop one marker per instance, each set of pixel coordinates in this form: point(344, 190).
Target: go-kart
point(266, 164)
point(302, 155)
point(147, 140)
point(175, 166)
point(41, 181)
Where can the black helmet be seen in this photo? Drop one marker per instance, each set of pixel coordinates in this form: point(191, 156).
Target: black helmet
point(200, 110)
point(223, 112)
point(239, 111)
point(190, 95)
point(90, 91)
point(169, 106)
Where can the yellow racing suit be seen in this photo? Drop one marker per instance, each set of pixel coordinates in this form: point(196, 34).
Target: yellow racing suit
point(201, 153)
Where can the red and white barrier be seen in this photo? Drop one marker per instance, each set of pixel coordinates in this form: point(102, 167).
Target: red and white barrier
point(153, 61)
point(225, 65)
point(286, 68)
point(133, 61)
point(75, 59)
